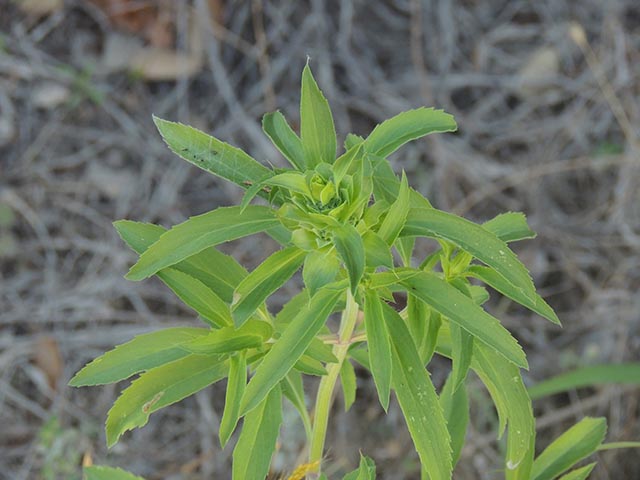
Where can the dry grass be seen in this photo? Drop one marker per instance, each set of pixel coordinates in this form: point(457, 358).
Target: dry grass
point(561, 146)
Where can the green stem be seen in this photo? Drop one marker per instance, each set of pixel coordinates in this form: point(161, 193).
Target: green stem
point(324, 397)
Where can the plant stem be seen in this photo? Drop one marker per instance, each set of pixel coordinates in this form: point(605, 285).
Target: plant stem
point(324, 397)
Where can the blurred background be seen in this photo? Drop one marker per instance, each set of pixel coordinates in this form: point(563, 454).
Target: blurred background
point(546, 97)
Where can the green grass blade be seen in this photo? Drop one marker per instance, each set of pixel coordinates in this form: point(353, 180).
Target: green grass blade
point(317, 131)
point(275, 126)
point(418, 400)
point(577, 443)
point(257, 442)
point(211, 154)
point(199, 232)
point(391, 134)
point(474, 239)
point(159, 387)
point(289, 347)
point(623, 374)
point(143, 353)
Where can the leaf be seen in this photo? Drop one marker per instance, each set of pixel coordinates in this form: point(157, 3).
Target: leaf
point(462, 311)
point(142, 353)
point(499, 283)
point(350, 246)
point(268, 277)
point(275, 126)
point(365, 471)
point(462, 352)
point(289, 347)
point(321, 351)
point(107, 473)
point(377, 253)
point(199, 232)
point(159, 387)
point(575, 444)
point(510, 227)
point(397, 215)
point(317, 131)
point(418, 401)
point(473, 239)
point(349, 384)
point(455, 405)
point(220, 272)
point(320, 268)
point(293, 389)
point(379, 346)
point(230, 339)
point(579, 473)
point(391, 134)
point(198, 296)
point(210, 154)
point(257, 442)
point(293, 181)
point(235, 388)
point(624, 374)
point(344, 163)
point(310, 366)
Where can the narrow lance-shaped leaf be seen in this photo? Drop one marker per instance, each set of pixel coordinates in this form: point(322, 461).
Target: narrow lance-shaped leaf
point(268, 277)
point(293, 389)
point(510, 227)
point(351, 248)
point(418, 400)
point(199, 232)
point(377, 252)
point(366, 470)
point(379, 346)
point(235, 389)
point(210, 154)
point(473, 239)
point(317, 131)
point(575, 444)
point(455, 404)
point(461, 310)
point(142, 353)
point(397, 215)
point(231, 339)
point(349, 384)
point(284, 138)
point(289, 347)
point(220, 272)
point(462, 352)
point(320, 268)
point(159, 387)
point(581, 473)
point(502, 285)
point(96, 472)
point(391, 134)
point(257, 442)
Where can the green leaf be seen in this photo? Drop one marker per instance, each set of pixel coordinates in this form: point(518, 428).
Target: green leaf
point(320, 268)
point(510, 227)
point(251, 334)
point(220, 272)
point(397, 215)
point(351, 248)
point(317, 132)
point(365, 471)
point(199, 232)
point(293, 389)
point(499, 283)
point(473, 239)
point(377, 252)
point(455, 405)
point(579, 473)
point(623, 374)
point(575, 444)
point(289, 347)
point(418, 401)
point(349, 384)
point(379, 346)
point(142, 353)
point(159, 387)
point(107, 473)
point(391, 134)
point(293, 181)
point(428, 346)
point(268, 277)
point(284, 138)
point(235, 388)
point(405, 249)
point(310, 366)
point(321, 351)
point(351, 140)
point(344, 163)
point(462, 311)
point(462, 352)
point(198, 296)
point(210, 154)
point(257, 442)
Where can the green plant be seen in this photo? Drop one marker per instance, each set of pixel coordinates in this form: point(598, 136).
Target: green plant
point(340, 220)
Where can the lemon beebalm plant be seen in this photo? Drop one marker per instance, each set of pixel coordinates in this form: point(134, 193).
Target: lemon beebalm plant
point(349, 223)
